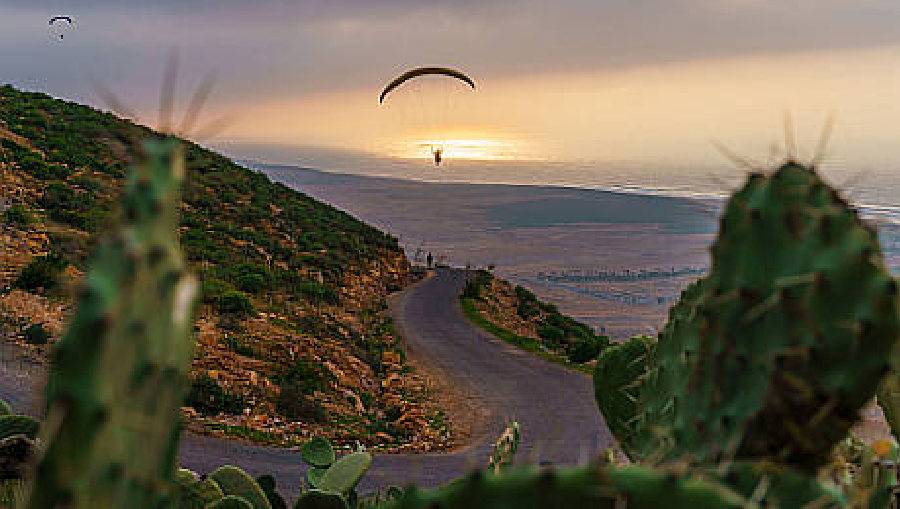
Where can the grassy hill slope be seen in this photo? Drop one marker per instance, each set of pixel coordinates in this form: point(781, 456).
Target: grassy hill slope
point(292, 338)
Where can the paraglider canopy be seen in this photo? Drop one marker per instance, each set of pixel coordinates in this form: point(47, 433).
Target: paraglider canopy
point(59, 25)
point(423, 71)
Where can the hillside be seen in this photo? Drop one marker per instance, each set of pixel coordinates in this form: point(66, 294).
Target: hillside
point(292, 339)
point(516, 315)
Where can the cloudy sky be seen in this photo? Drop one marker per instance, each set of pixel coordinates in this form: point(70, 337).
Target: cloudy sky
point(641, 80)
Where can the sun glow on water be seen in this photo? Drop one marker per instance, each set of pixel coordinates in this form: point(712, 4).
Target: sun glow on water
point(460, 147)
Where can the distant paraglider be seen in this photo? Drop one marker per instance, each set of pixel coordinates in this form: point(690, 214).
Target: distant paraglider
point(60, 26)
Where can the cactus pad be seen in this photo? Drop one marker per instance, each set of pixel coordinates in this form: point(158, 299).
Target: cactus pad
point(318, 452)
point(314, 476)
point(794, 325)
point(230, 502)
point(617, 383)
point(316, 499)
point(592, 486)
point(346, 472)
point(235, 481)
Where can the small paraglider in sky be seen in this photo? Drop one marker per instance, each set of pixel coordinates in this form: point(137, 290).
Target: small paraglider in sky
point(60, 26)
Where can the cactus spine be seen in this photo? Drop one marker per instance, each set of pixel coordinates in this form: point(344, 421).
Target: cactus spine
point(119, 375)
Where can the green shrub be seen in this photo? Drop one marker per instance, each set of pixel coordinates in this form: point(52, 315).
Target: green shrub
point(209, 398)
point(18, 215)
point(249, 278)
point(39, 169)
point(587, 349)
point(41, 272)
point(234, 303)
point(212, 289)
point(238, 347)
point(294, 403)
point(528, 306)
point(35, 334)
point(316, 292)
point(308, 376)
point(551, 333)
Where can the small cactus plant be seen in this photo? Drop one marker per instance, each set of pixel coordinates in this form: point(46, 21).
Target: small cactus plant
point(504, 451)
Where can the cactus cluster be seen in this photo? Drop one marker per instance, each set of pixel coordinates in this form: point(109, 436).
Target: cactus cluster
point(226, 486)
point(332, 480)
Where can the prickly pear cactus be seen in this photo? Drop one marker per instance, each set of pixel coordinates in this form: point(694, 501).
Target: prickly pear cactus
point(235, 481)
point(318, 452)
point(666, 384)
point(618, 378)
point(267, 483)
point(592, 486)
point(118, 376)
point(230, 502)
point(343, 476)
point(889, 394)
point(795, 323)
point(317, 499)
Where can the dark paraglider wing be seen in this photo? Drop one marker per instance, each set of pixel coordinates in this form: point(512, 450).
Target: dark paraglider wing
point(422, 71)
point(54, 19)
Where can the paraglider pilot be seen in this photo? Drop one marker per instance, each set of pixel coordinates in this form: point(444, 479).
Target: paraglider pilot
point(437, 155)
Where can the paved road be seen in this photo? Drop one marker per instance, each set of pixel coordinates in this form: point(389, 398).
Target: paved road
point(560, 421)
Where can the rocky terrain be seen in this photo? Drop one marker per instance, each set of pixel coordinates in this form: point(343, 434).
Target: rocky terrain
point(292, 335)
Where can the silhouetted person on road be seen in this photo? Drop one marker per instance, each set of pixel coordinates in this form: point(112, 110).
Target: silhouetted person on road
point(429, 259)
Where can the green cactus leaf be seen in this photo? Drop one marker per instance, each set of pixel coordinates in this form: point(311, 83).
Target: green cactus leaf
point(314, 476)
point(783, 487)
point(592, 486)
point(235, 481)
point(889, 394)
point(318, 452)
point(185, 477)
point(267, 483)
point(617, 383)
point(18, 425)
point(346, 472)
point(5, 408)
point(316, 499)
point(230, 502)
point(198, 494)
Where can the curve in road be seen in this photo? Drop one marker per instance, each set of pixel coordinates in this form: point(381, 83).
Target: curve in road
point(555, 407)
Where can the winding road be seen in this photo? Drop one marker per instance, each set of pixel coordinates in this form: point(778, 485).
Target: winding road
point(555, 407)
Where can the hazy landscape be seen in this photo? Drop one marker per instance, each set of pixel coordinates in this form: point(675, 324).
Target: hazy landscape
point(494, 254)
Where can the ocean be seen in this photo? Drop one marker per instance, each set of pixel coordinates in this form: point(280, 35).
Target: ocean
point(613, 247)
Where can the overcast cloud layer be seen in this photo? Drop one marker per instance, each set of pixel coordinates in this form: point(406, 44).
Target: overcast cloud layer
point(282, 48)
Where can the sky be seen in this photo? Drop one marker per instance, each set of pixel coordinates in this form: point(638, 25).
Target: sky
point(651, 81)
